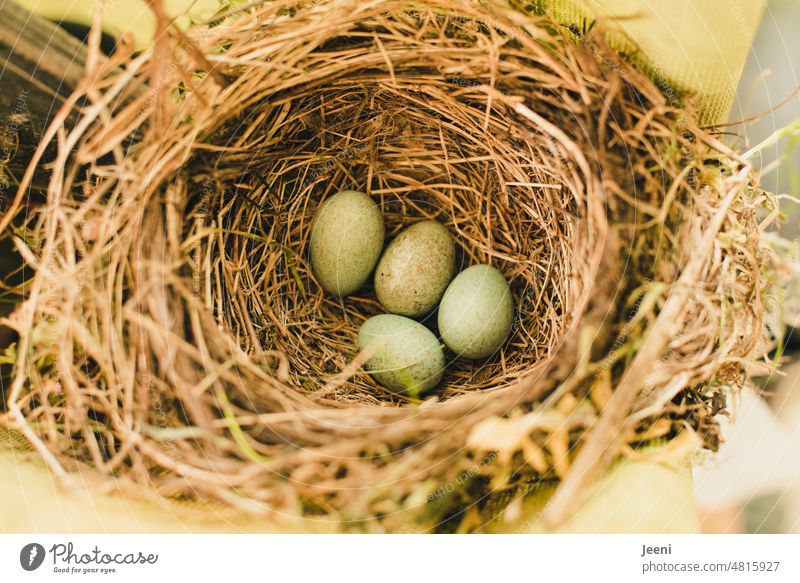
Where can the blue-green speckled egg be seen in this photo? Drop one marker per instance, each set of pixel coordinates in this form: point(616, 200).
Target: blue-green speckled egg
point(346, 241)
point(407, 358)
point(415, 269)
point(477, 312)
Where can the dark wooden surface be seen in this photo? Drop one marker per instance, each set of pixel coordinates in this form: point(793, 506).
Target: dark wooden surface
point(40, 65)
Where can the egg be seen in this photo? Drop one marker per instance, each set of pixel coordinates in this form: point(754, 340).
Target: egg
point(407, 357)
point(415, 269)
point(476, 312)
point(346, 241)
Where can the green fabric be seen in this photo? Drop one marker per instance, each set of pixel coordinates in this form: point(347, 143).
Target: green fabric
point(695, 46)
point(652, 495)
point(31, 500)
point(686, 46)
point(637, 496)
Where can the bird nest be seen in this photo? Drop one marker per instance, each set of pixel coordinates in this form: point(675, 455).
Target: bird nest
point(173, 338)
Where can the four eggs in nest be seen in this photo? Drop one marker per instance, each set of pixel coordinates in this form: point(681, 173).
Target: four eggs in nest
point(413, 276)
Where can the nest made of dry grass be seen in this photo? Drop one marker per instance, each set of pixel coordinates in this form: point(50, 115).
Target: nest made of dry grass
point(173, 337)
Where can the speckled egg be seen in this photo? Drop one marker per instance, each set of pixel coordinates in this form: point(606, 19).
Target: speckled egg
point(407, 357)
point(415, 269)
point(477, 312)
point(346, 241)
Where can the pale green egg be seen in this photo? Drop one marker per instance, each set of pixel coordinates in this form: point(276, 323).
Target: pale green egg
point(346, 241)
point(477, 312)
point(407, 357)
point(415, 269)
